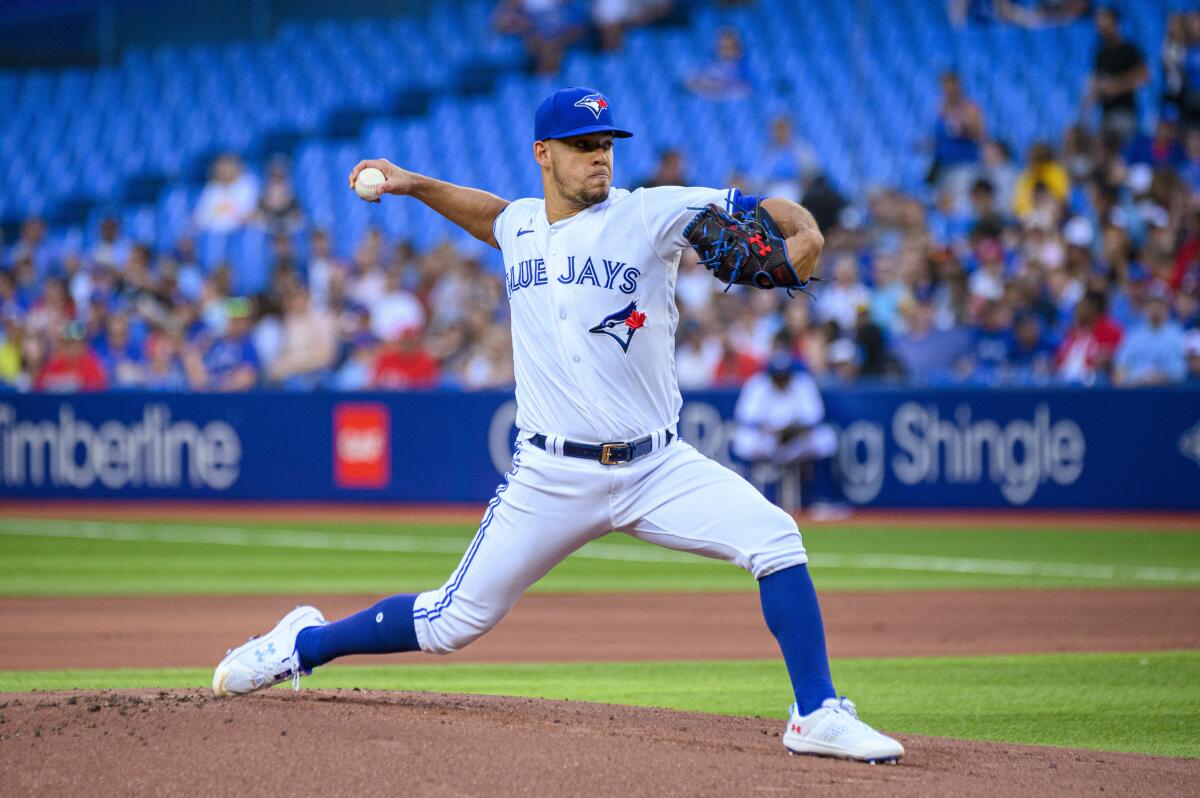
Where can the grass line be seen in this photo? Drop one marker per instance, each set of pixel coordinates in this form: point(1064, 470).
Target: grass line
point(426, 544)
point(1138, 702)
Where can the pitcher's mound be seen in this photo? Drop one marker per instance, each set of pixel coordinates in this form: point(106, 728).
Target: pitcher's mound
point(321, 743)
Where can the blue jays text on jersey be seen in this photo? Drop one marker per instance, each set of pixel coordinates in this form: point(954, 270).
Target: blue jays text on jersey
point(612, 274)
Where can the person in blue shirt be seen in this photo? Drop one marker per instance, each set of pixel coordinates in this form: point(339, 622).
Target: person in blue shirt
point(123, 359)
point(1030, 356)
point(230, 363)
point(1153, 352)
point(992, 341)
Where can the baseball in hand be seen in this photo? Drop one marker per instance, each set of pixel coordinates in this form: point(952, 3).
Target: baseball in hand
point(368, 183)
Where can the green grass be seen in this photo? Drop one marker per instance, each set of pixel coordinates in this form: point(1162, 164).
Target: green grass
point(1145, 703)
point(46, 557)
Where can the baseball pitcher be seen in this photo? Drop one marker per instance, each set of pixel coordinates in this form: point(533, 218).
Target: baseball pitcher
point(590, 276)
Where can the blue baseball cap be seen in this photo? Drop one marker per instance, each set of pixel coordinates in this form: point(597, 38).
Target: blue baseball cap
point(574, 112)
point(780, 363)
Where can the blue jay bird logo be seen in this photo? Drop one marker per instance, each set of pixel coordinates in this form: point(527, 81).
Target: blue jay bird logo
point(594, 103)
point(621, 326)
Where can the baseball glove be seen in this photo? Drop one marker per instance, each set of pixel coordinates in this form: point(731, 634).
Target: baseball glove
point(742, 248)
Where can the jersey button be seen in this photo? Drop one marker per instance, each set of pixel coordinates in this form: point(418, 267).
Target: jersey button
point(562, 314)
point(576, 358)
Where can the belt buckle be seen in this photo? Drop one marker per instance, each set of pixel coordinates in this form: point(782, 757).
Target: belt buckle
point(610, 451)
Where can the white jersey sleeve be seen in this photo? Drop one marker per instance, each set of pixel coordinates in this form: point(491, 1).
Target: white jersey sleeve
point(509, 220)
point(666, 210)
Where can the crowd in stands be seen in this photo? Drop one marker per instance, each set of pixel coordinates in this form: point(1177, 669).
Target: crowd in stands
point(1077, 262)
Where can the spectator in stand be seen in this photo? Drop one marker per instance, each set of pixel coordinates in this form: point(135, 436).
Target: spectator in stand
point(986, 283)
point(1163, 149)
point(1190, 105)
point(229, 199)
point(228, 362)
point(367, 278)
point(123, 360)
point(10, 302)
point(696, 355)
point(668, 172)
point(1043, 170)
point(840, 301)
point(1152, 353)
point(1086, 353)
point(358, 368)
point(72, 366)
point(548, 27)
point(1118, 72)
point(788, 164)
point(992, 342)
point(309, 344)
point(844, 365)
point(958, 136)
point(278, 206)
point(403, 364)
point(11, 373)
point(999, 170)
point(986, 219)
point(613, 17)
point(395, 311)
point(1030, 357)
point(1189, 171)
point(322, 263)
point(31, 243)
point(733, 367)
point(727, 77)
point(926, 353)
point(1191, 348)
point(1173, 61)
point(490, 363)
point(112, 250)
point(52, 310)
point(165, 370)
point(1024, 13)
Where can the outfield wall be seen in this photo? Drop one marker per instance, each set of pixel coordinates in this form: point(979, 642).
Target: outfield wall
point(1095, 448)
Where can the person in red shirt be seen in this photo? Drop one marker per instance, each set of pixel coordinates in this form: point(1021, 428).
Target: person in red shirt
point(73, 366)
point(1088, 348)
point(734, 367)
point(404, 364)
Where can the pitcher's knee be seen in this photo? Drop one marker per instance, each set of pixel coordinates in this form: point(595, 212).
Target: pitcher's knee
point(455, 628)
point(777, 550)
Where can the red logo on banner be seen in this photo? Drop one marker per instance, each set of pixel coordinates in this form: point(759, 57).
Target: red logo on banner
point(362, 445)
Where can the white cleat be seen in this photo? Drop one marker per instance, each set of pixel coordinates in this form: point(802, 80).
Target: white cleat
point(267, 660)
point(835, 730)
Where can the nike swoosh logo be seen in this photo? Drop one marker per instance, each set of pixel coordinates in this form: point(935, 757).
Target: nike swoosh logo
point(523, 232)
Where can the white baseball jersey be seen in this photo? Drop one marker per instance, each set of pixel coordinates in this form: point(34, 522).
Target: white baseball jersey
point(593, 324)
point(593, 311)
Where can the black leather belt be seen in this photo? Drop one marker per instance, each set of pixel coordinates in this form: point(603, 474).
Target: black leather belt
point(606, 453)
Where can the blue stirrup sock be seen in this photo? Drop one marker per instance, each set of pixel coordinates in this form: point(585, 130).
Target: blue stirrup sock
point(789, 604)
point(385, 628)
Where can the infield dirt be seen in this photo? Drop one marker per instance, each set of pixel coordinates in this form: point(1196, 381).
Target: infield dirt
point(182, 631)
point(166, 743)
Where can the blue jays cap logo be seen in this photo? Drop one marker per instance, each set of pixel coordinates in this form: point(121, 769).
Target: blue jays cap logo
point(594, 103)
point(621, 326)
